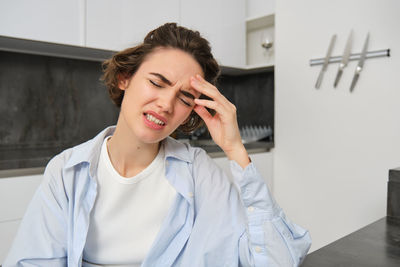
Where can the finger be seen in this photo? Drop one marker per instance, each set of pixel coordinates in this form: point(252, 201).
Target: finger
point(203, 113)
point(211, 104)
point(211, 91)
point(202, 80)
point(205, 88)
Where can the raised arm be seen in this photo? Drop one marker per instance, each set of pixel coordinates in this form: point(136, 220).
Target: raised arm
point(270, 238)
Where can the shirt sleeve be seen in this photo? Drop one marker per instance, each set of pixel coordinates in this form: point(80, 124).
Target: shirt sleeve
point(270, 238)
point(41, 237)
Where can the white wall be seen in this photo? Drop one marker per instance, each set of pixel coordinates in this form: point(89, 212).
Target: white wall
point(333, 148)
point(256, 8)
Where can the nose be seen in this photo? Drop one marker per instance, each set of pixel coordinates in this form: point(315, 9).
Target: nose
point(166, 100)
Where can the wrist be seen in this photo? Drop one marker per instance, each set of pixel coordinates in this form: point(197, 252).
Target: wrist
point(240, 155)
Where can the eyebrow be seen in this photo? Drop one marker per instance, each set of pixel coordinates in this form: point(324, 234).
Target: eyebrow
point(162, 77)
point(187, 94)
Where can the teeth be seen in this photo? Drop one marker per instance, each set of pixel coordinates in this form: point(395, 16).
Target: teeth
point(154, 119)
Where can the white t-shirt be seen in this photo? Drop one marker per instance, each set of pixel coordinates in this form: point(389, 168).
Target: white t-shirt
point(127, 214)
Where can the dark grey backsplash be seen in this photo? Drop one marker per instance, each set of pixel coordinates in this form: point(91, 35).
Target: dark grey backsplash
point(48, 104)
point(253, 96)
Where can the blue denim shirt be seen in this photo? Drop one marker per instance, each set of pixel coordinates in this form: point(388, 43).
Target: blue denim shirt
point(213, 221)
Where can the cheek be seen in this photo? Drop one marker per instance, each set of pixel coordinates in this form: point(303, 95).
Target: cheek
point(141, 95)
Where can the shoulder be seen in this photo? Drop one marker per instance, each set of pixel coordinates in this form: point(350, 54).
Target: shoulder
point(207, 172)
point(63, 160)
point(57, 163)
point(183, 151)
point(202, 165)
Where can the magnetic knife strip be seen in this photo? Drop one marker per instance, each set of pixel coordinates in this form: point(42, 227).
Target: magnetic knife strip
point(345, 58)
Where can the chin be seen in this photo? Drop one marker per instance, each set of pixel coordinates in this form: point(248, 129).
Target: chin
point(149, 140)
point(152, 138)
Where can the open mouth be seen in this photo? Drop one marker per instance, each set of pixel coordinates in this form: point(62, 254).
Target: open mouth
point(151, 118)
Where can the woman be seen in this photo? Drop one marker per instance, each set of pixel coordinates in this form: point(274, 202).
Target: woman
point(133, 196)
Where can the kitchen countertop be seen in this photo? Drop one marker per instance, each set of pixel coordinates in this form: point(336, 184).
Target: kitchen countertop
point(215, 151)
point(211, 148)
point(377, 244)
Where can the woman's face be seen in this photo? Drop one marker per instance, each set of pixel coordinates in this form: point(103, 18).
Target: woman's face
point(158, 97)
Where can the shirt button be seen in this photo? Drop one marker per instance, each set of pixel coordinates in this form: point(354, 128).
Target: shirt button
point(258, 249)
point(190, 194)
point(250, 209)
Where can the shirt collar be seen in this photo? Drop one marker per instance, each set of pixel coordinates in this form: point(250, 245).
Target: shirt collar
point(89, 151)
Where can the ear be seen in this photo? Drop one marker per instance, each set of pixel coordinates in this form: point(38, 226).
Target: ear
point(123, 82)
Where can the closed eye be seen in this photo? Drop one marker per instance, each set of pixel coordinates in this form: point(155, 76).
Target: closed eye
point(187, 98)
point(155, 84)
point(184, 93)
point(185, 102)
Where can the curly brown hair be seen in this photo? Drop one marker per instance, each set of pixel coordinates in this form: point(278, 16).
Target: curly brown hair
point(170, 35)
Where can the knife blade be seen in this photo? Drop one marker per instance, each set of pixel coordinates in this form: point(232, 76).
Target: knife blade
point(345, 58)
point(360, 64)
point(326, 61)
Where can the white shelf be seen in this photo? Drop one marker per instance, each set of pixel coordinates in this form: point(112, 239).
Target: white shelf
point(259, 66)
point(260, 22)
point(248, 69)
point(258, 30)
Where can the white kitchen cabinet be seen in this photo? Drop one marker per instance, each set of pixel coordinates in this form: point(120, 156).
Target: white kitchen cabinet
point(119, 24)
point(262, 161)
point(15, 195)
point(8, 230)
point(43, 20)
point(221, 22)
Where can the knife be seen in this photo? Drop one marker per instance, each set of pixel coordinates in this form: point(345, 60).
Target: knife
point(326, 61)
point(360, 64)
point(345, 58)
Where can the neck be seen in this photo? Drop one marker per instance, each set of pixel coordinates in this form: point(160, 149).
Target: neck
point(128, 155)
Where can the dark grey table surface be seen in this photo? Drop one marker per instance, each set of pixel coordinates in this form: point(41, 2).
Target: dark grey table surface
point(376, 245)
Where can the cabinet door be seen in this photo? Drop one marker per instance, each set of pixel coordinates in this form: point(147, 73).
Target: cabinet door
point(118, 24)
point(15, 195)
point(43, 20)
point(222, 23)
point(8, 231)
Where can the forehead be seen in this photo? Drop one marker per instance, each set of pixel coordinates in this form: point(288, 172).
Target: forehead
point(173, 63)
